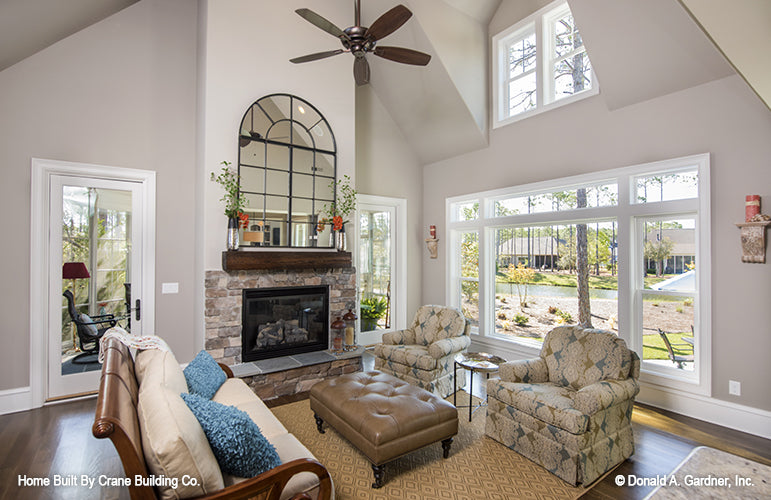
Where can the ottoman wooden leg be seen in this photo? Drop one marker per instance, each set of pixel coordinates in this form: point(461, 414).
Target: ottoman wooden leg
point(379, 472)
point(446, 447)
point(319, 422)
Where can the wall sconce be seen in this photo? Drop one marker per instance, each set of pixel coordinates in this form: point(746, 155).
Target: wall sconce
point(754, 231)
point(432, 243)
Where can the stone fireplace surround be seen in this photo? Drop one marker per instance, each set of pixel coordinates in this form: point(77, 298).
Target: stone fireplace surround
point(279, 376)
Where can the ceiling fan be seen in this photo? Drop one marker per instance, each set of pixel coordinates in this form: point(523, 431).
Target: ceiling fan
point(359, 40)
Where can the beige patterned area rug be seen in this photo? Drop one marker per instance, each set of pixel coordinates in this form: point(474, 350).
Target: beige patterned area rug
point(708, 473)
point(477, 468)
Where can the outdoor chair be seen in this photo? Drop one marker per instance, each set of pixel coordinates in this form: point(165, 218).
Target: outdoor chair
point(570, 409)
point(678, 353)
point(90, 329)
point(423, 354)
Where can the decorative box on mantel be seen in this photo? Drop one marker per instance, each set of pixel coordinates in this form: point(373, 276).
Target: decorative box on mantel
point(754, 241)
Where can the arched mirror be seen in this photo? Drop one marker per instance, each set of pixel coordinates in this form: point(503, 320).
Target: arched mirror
point(287, 161)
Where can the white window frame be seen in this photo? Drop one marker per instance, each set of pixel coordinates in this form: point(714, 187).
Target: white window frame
point(627, 213)
point(541, 22)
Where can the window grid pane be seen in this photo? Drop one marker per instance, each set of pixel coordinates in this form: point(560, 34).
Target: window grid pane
point(667, 186)
point(572, 75)
point(521, 55)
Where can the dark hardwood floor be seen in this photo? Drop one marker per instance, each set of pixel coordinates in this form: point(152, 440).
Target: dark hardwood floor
point(56, 441)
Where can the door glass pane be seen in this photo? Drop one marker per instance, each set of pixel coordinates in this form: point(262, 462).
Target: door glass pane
point(375, 268)
point(96, 249)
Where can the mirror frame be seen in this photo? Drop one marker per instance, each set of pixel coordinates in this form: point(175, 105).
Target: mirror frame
point(271, 111)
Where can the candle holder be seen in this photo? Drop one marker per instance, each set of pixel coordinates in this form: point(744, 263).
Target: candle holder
point(351, 338)
point(337, 330)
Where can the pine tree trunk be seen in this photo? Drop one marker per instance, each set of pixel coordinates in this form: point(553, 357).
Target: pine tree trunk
point(582, 265)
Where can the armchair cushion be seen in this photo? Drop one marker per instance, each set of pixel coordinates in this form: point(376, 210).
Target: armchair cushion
point(578, 357)
point(89, 324)
point(550, 403)
point(416, 356)
point(529, 371)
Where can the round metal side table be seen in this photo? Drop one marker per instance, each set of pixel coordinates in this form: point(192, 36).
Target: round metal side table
point(474, 362)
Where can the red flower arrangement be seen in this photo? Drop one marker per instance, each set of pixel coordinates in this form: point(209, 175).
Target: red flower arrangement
point(243, 220)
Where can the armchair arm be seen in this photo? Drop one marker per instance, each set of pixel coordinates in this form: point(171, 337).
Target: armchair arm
point(446, 347)
point(528, 371)
point(406, 336)
point(272, 482)
point(604, 394)
point(96, 321)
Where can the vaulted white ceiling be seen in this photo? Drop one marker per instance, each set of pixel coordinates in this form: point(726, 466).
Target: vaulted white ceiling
point(29, 26)
point(639, 49)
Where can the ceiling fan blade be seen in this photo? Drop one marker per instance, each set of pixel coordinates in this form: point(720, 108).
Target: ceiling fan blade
point(316, 56)
point(389, 22)
point(361, 71)
point(320, 22)
point(402, 55)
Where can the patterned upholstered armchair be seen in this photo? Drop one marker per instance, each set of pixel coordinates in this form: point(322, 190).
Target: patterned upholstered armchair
point(570, 409)
point(423, 354)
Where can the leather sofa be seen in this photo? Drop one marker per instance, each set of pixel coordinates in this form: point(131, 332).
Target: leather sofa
point(157, 437)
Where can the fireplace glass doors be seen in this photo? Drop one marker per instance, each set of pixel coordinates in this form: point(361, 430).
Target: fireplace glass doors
point(284, 321)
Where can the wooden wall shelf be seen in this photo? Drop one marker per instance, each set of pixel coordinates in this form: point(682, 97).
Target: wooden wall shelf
point(271, 260)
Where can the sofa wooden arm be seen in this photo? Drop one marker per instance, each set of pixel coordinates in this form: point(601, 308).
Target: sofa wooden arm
point(271, 483)
point(227, 370)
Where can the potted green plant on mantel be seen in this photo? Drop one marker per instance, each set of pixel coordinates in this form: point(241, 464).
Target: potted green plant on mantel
point(337, 212)
point(234, 204)
point(372, 309)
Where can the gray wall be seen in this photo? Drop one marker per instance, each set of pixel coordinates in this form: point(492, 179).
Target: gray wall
point(387, 166)
point(121, 92)
point(723, 118)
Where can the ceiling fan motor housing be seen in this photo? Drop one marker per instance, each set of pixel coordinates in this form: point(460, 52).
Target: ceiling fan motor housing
point(357, 41)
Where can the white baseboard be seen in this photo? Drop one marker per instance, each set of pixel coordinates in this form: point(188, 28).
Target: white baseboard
point(13, 400)
point(716, 411)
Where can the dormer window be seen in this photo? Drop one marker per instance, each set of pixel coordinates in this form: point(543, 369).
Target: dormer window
point(540, 63)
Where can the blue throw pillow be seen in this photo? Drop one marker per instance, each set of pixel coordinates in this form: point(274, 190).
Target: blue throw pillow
point(204, 376)
point(236, 441)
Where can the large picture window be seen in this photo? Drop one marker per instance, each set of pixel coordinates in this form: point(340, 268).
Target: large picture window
point(635, 241)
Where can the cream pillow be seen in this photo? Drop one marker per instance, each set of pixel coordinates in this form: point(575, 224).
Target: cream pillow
point(154, 365)
point(174, 443)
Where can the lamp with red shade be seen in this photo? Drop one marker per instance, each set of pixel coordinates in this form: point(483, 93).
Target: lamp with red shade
point(74, 271)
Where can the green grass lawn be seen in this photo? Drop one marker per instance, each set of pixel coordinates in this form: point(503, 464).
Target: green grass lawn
point(600, 282)
point(653, 345)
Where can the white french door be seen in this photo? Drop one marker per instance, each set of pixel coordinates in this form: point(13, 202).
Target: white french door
point(100, 222)
point(381, 265)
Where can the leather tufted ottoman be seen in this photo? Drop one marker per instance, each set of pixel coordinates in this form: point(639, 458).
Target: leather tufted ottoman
point(383, 416)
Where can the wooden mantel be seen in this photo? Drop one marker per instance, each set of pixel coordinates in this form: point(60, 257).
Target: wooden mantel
point(245, 260)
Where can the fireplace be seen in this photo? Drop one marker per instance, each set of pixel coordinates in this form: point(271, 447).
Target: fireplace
point(284, 321)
